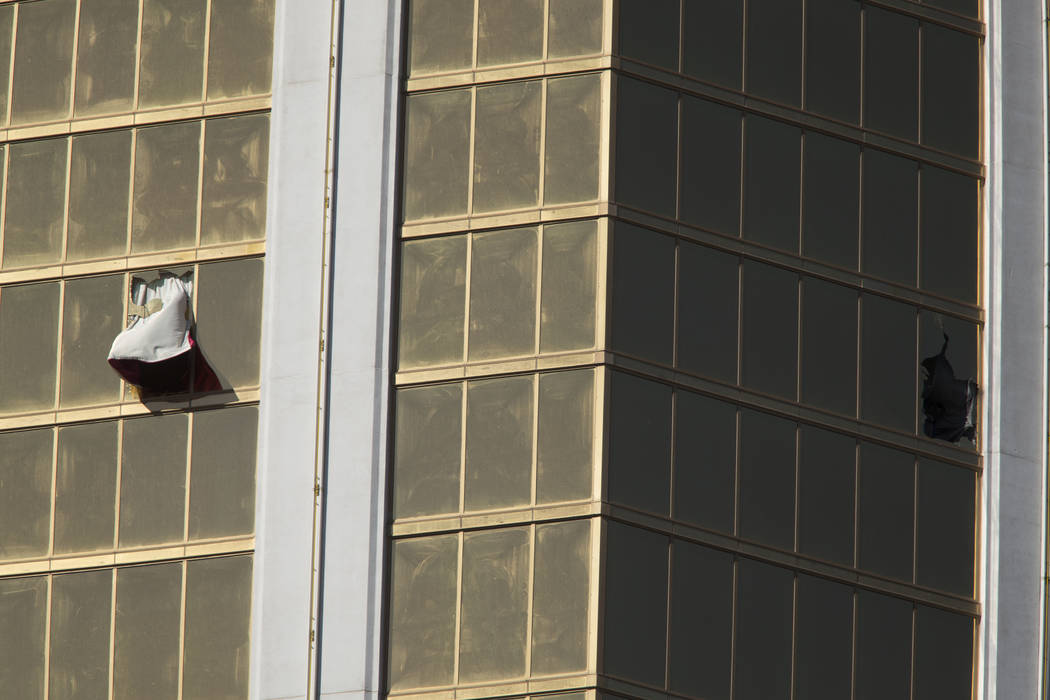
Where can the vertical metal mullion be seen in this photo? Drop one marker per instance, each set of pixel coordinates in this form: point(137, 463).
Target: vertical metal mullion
point(542, 179)
point(54, 491)
point(47, 635)
point(458, 616)
point(116, 496)
point(466, 298)
point(190, 421)
point(138, 56)
point(64, 244)
point(182, 625)
point(538, 316)
point(855, 599)
point(667, 613)
point(200, 182)
point(112, 629)
point(472, 127)
point(530, 594)
point(794, 635)
point(3, 199)
point(463, 447)
point(11, 66)
point(546, 28)
point(58, 341)
point(73, 62)
point(534, 480)
point(131, 192)
point(207, 51)
point(733, 620)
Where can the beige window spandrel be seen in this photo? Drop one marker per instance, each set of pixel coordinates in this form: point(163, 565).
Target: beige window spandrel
point(146, 644)
point(23, 610)
point(572, 139)
point(427, 450)
point(93, 316)
point(503, 294)
point(43, 63)
point(153, 480)
point(28, 346)
point(499, 443)
point(509, 31)
point(171, 67)
point(218, 608)
point(25, 493)
point(569, 286)
point(36, 192)
point(433, 301)
point(80, 635)
point(167, 170)
point(507, 146)
point(222, 477)
point(440, 35)
point(99, 188)
point(437, 154)
point(235, 162)
point(86, 487)
point(240, 48)
point(106, 48)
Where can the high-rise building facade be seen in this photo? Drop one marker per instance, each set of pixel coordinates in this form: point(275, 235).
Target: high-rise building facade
point(568, 348)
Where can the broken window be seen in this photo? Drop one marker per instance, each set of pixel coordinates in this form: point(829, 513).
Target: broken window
point(947, 402)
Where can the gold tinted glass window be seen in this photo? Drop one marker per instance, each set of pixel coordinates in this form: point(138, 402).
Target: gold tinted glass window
point(146, 645)
point(80, 635)
point(560, 597)
point(99, 181)
point(235, 161)
point(437, 154)
point(28, 346)
point(25, 507)
point(440, 35)
point(572, 139)
point(507, 146)
point(433, 301)
point(93, 316)
point(574, 27)
point(153, 480)
point(503, 294)
point(172, 65)
point(86, 487)
point(499, 443)
point(218, 606)
point(44, 63)
point(106, 56)
point(229, 319)
point(427, 452)
point(569, 286)
point(222, 481)
point(565, 458)
point(167, 169)
point(36, 191)
point(23, 610)
point(509, 31)
point(240, 48)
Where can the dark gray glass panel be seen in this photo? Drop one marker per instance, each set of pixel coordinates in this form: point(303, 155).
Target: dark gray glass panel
point(772, 151)
point(890, 217)
point(643, 293)
point(829, 346)
point(764, 602)
point(708, 304)
point(833, 58)
point(636, 604)
point(427, 450)
point(704, 461)
point(649, 32)
point(945, 527)
point(826, 475)
point(498, 464)
point(713, 35)
point(640, 443)
point(883, 655)
point(948, 250)
point(951, 95)
point(963, 7)
point(774, 50)
point(767, 479)
point(830, 200)
point(885, 502)
point(709, 193)
point(943, 655)
point(770, 333)
point(891, 73)
point(701, 621)
point(646, 141)
point(888, 364)
point(824, 642)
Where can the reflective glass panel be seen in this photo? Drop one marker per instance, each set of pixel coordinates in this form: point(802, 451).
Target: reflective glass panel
point(708, 308)
point(713, 35)
point(774, 50)
point(229, 319)
point(437, 154)
point(769, 338)
point(222, 474)
point(507, 146)
point(767, 479)
point(572, 139)
point(86, 487)
point(80, 636)
point(218, 613)
point(28, 346)
point(890, 217)
point(440, 35)
point(433, 301)
point(649, 32)
point(574, 27)
point(640, 443)
point(891, 72)
point(561, 597)
point(153, 480)
point(701, 618)
point(569, 286)
point(25, 499)
point(503, 294)
point(240, 47)
point(422, 611)
point(171, 68)
point(824, 639)
point(99, 189)
point(886, 503)
point(509, 31)
point(646, 167)
point(36, 192)
point(704, 461)
point(963, 7)
point(167, 162)
point(945, 527)
point(833, 58)
point(235, 163)
point(830, 200)
point(43, 64)
point(106, 56)
point(764, 602)
point(146, 645)
point(709, 193)
point(565, 444)
point(643, 293)
point(949, 257)
point(772, 151)
point(829, 346)
point(951, 98)
point(495, 604)
point(427, 450)
point(883, 653)
point(499, 443)
point(888, 365)
point(826, 476)
point(943, 655)
point(94, 315)
point(23, 610)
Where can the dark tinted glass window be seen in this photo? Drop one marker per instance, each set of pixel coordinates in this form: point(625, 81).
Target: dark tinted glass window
point(704, 461)
point(888, 364)
point(774, 50)
point(767, 479)
point(945, 527)
point(646, 141)
point(949, 234)
point(636, 604)
point(886, 498)
point(833, 58)
point(643, 293)
point(649, 31)
point(891, 205)
point(943, 655)
point(883, 647)
point(826, 471)
point(708, 293)
point(709, 195)
point(830, 200)
point(770, 332)
point(829, 346)
point(824, 640)
point(950, 89)
point(963, 7)
point(701, 621)
point(763, 632)
point(891, 73)
point(640, 448)
point(771, 183)
point(713, 34)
